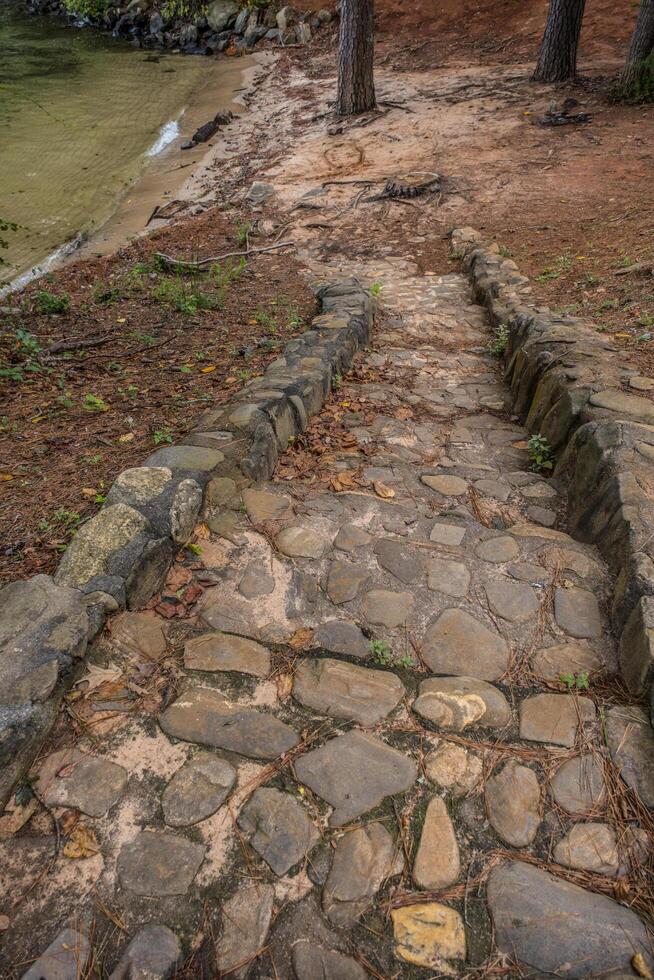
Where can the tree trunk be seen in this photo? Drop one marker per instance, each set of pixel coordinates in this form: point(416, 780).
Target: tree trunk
point(557, 60)
point(636, 74)
point(356, 88)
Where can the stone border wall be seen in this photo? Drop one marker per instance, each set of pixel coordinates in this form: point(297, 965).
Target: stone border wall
point(121, 556)
point(570, 384)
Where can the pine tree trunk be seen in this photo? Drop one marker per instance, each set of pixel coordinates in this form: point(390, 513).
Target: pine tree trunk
point(356, 88)
point(557, 60)
point(642, 44)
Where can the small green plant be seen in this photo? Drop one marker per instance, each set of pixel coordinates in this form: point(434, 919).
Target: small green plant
point(505, 252)
point(65, 400)
point(645, 320)
point(381, 652)
point(376, 288)
point(243, 374)
point(132, 391)
point(62, 522)
point(93, 403)
point(575, 682)
point(540, 453)
point(242, 232)
point(92, 9)
point(195, 549)
point(94, 459)
point(337, 381)
point(500, 341)
point(28, 345)
point(561, 264)
point(105, 295)
point(48, 302)
point(162, 435)
point(12, 374)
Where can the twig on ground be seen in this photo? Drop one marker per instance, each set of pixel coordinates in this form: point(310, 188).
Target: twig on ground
point(172, 263)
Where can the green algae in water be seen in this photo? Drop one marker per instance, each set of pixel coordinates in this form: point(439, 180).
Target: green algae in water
point(78, 112)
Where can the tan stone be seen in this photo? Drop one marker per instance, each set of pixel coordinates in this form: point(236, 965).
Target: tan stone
point(565, 658)
point(453, 768)
point(513, 803)
point(555, 718)
point(261, 505)
point(454, 710)
point(437, 863)
point(136, 633)
point(343, 690)
point(223, 651)
point(450, 486)
point(429, 934)
point(590, 847)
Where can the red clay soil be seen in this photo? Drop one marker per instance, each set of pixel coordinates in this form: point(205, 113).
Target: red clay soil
point(73, 417)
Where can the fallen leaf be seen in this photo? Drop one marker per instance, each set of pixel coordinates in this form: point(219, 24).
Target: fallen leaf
point(178, 578)
point(68, 820)
point(82, 843)
point(202, 532)
point(640, 966)
point(301, 638)
point(382, 490)
point(208, 369)
point(89, 492)
point(192, 594)
point(6, 476)
point(4, 923)
point(126, 438)
point(96, 676)
point(284, 686)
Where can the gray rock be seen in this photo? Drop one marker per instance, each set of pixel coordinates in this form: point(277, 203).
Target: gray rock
point(158, 864)
point(449, 486)
point(221, 14)
point(513, 601)
point(338, 636)
point(170, 505)
point(342, 690)
point(493, 488)
point(496, 711)
point(197, 790)
point(398, 559)
point(631, 744)
point(526, 571)
point(456, 642)
point(363, 860)
point(513, 804)
point(65, 958)
point(565, 658)
point(345, 581)
point(87, 783)
point(279, 828)
point(196, 460)
point(43, 628)
point(448, 534)
point(384, 608)
point(153, 954)
point(285, 18)
point(541, 515)
point(224, 651)
point(555, 718)
point(311, 961)
point(558, 928)
point(221, 491)
point(350, 537)
point(262, 506)
point(450, 577)
point(578, 785)
point(589, 847)
point(259, 192)
point(577, 613)
point(437, 863)
point(301, 542)
point(256, 580)
point(246, 920)
point(619, 401)
point(354, 773)
point(498, 550)
point(205, 715)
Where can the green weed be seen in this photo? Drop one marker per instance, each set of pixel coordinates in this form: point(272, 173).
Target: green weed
point(500, 341)
point(575, 682)
point(162, 435)
point(48, 302)
point(540, 453)
point(93, 403)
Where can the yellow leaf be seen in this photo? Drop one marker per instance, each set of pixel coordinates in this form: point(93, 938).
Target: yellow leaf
point(37, 418)
point(581, 257)
point(126, 438)
point(82, 843)
point(208, 369)
point(301, 638)
point(382, 490)
point(640, 966)
point(121, 319)
point(284, 686)
point(622, 334)
point(89, 492)
point(6, 477)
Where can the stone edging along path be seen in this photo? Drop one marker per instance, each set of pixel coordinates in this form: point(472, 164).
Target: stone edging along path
point(569, 384)
point(121, 556)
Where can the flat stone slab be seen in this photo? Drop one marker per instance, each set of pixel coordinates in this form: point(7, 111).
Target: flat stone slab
point(278, 827)
point(448, 534)
point(354, 773)
point(565, 658)
point(452, 768)
point(398, 559)
point(578, 785)
point(577, 613)
point(340, 636)
point(560, 929)
point(450, 577)
point(345, 581)
point(457, 643)
point(246, 921)
point(631, 744)
point(197, 790)
point(390, 609)
point(136, 634)
point(158, 864)
point(205, 715)
point(350, 537)
point(342, 690)
point(589, 847)
point(301, 542)
point(437, 863)
point(449, 486)
point(256, 580)
point(310, 960)
point(152, 954)
point(429, 934)
point(433, 701)
point(65, 958)
point(513, 803)
point(363, 860)
point(555, 718)
point(526, 571)
point(513, 601)
point(83, 782)
point(224, 651)
point(262, 506)
point(498, 550)
point(635, 406)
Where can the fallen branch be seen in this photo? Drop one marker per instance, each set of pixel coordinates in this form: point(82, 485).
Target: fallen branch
point(169, 262)
point(77, 344)
point(636, 267)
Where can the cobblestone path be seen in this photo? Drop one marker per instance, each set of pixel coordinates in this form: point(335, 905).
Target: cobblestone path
point(388, 744)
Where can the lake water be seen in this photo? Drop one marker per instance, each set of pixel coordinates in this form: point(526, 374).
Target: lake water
point(81, 116)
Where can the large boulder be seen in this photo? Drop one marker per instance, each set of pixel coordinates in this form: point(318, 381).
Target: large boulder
point(221, 14)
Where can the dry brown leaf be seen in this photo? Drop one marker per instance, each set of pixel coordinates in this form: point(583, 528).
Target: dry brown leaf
point(82, 843)
point(641, 967)
point(4, 923)
point(284, 686)
point(68, 820)
point(382, 490)
point(96, 676)
point(178, 577)
point(202, 532)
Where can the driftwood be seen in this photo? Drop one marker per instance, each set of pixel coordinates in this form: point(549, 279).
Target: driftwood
point(181, 264)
